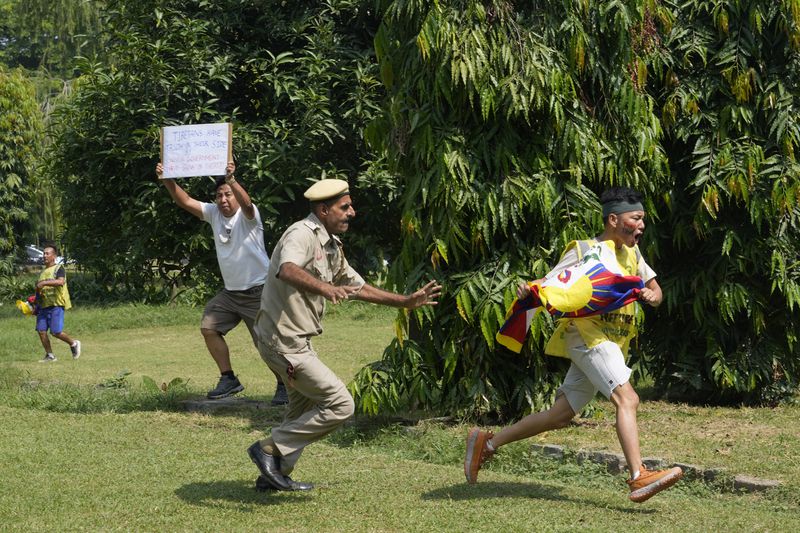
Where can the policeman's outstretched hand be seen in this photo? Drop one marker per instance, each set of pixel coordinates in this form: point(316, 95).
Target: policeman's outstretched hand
point(427, 295)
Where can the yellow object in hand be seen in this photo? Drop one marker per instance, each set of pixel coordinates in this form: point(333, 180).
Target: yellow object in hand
point(25, 307)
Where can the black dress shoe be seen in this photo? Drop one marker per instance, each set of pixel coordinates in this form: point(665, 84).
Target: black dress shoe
point(263, 485)
point(268, 466)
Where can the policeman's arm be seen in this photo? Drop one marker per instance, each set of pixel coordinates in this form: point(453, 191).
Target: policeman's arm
point(303, 281)
point(427, 295)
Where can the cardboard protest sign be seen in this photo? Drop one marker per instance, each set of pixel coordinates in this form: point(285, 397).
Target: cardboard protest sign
point(196, 149)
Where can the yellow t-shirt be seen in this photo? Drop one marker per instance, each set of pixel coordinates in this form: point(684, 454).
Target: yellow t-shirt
point(618, 326)
point(52, 296)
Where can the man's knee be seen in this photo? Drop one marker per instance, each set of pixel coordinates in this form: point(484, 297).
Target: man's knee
point(624, 397)
point(344, 407)
point(561, 420)
point(561, 413)
point(210, 333)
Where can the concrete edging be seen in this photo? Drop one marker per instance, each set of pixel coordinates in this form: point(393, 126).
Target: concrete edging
point(615, 464)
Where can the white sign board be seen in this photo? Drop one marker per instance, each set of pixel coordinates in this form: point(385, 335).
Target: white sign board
point(196, 149)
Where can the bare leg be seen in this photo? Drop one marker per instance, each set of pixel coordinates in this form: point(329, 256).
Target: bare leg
point(626, 401)
point(64, 337)
point(218, 349)
point(558, 416)
point(45, 341)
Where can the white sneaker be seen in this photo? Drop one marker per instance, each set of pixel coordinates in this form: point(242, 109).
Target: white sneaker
point(76, 349)
point(48, 358)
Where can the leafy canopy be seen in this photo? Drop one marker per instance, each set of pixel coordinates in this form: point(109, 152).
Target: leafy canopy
point(296, 79)
point(503, 122)
point(20, 132)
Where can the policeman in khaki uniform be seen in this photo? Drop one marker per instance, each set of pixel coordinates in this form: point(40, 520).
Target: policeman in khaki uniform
point(308, 266)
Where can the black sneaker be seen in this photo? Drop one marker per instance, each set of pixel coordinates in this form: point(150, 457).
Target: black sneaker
point(227, 386)
point(280, 397)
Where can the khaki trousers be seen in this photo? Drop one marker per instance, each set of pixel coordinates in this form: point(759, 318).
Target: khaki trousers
point(318, 402)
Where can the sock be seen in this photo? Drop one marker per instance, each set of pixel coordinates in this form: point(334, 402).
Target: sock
point(490, 445)
point(268, 445)
point(74, 344)
point(229, 373)
point(634, 475)
point(50, 354)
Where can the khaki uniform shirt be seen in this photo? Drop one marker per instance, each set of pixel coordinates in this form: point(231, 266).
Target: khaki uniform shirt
point(289, 317)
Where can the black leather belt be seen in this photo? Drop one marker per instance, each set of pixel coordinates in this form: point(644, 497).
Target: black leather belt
point(251, 290)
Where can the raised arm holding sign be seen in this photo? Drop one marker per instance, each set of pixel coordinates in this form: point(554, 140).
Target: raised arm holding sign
point(196, 149)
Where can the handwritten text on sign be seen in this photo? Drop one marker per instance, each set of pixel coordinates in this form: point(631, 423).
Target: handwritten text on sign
point(195, 150)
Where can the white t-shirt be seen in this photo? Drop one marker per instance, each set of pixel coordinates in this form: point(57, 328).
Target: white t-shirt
point(242, 258)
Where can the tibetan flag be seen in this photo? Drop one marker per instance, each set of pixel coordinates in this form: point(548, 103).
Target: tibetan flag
point(594, 286)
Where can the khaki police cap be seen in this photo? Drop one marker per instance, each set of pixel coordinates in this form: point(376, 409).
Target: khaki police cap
point(326, 189)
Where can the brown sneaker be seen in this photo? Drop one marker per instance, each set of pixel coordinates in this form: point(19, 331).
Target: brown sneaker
point(477, 453)
point(651, 482)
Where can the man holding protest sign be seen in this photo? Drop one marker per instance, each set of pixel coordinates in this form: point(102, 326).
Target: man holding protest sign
point(243, 263)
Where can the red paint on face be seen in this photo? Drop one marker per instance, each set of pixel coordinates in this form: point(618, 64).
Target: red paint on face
point(631, 227)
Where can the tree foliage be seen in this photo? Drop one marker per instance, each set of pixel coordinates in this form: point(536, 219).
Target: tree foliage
point(46, 35)
point(503, 121)
point(298, 81)
point(43, 37)
point(20, 135)
point(729, 241)
point(500, 123)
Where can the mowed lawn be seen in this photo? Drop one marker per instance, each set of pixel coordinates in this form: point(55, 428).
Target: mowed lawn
point(69, 468)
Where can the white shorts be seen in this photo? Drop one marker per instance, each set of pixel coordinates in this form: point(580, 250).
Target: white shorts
point(601, 368)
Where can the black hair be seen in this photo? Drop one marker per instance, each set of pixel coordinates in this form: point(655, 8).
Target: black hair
point(52, 245)
point(219, 182)
point(620, 194)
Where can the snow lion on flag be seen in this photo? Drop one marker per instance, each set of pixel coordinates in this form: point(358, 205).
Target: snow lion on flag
point(594, 286)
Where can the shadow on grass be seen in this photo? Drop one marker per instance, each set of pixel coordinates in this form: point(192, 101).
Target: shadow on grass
point(519, 490)
point(222, 493)
point(118, 395)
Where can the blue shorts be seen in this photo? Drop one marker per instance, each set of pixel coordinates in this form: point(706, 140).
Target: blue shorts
point(51, 318)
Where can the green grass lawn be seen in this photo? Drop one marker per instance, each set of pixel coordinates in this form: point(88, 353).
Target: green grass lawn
point(120, 462)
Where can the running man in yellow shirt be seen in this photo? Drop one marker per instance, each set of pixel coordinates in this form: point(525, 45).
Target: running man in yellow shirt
point(597, 347)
